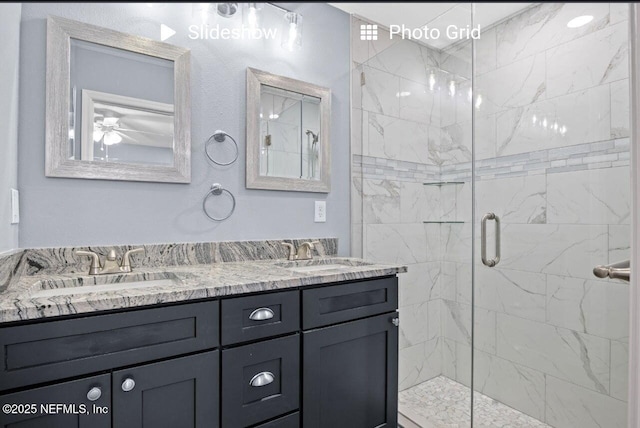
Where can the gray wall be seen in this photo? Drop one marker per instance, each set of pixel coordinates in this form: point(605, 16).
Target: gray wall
point(9, 52)
point(73, 212)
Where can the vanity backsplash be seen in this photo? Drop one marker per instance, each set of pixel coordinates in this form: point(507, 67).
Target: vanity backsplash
point(64, 260)
point(10, 267)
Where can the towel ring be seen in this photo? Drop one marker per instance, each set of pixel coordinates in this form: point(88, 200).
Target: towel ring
point(220, 137)
point(216, 190)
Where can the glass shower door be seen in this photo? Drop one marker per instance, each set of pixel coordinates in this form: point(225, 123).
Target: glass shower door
point(551, 173)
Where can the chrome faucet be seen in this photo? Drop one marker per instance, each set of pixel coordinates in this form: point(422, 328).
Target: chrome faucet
point(110, 264)
point(304, 250)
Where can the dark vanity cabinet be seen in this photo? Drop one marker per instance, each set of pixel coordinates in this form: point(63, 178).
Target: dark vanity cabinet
point(321, 356)
point(350, 372)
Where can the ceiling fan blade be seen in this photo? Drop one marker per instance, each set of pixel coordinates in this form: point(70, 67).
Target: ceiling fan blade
point(97, 135)
point(110, 121)
point(112, 138)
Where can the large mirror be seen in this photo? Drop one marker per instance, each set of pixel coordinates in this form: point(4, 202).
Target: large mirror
point(287, 134)
point(118, 106)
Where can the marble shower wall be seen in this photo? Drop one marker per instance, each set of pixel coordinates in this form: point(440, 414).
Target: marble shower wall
point(398, 88)
point(394, 118)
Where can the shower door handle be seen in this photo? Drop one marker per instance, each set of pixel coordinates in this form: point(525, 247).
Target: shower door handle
point(483, 245)
point(618, 270)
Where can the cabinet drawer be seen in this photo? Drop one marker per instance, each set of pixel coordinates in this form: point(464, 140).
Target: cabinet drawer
point(290, 421)
point(53, 350)
point(273, 364)
point(345, 302)
point(258, 317)
point(72, 393)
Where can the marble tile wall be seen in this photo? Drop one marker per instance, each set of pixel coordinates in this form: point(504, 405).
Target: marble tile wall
point(395, 134)
point(552, 160)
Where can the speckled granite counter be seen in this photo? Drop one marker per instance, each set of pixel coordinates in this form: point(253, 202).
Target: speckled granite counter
point(30, 292)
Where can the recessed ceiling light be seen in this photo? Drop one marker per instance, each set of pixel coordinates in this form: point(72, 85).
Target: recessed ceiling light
point(403, 94)
point(227, 10)
point(579, 21)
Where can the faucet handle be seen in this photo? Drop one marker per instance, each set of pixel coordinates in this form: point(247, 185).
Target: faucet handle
point(94, 269)
point(126, 258)
point(310, 244)
point(292, 250)
point(304, 250)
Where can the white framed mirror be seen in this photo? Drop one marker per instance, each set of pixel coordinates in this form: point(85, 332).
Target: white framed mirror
point(288, 144)
point(118, 105)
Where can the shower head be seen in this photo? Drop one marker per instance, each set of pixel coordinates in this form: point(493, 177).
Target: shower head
point(314, 135)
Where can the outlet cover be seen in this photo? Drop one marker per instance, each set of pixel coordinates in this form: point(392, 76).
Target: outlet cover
point(320, 215)
point(15, 206)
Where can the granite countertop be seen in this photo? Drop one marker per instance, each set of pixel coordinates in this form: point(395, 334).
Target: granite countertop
point(49, 295)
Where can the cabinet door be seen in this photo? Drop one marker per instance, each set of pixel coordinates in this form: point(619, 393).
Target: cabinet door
point(80, 410)
point(350, 374)
point(183, 392)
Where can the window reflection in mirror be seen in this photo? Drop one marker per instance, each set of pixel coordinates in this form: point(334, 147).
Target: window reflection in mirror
point(289, 134)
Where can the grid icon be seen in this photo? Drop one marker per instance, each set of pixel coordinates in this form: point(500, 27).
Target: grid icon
point(368, 32)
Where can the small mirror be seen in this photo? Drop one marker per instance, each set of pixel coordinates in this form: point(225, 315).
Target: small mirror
point(126, 116)
point(287, 134)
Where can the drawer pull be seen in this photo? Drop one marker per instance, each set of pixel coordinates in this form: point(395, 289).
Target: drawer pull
point(94, 394)
point(128, 384)
point(261, 379)
point(261, 314)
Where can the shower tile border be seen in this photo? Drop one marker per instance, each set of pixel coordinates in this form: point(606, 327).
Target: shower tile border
point(588, 156)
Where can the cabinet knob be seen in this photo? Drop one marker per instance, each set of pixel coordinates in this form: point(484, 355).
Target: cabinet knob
point(261, 314)
point(94, 394)
point(128, 384)
point(395, 321)
point(262, 379)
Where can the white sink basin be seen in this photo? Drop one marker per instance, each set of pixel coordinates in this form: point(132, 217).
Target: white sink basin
point(321, 265)
point(67, 287)
point(318, 268)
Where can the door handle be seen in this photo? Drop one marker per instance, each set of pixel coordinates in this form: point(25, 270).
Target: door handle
point(262, 379)
point(618, 270)
point(94, 393)
point(483, 244)
point(128, 384)
point(261, 314)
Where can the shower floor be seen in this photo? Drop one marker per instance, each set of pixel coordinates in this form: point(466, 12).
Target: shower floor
point(443, 403)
